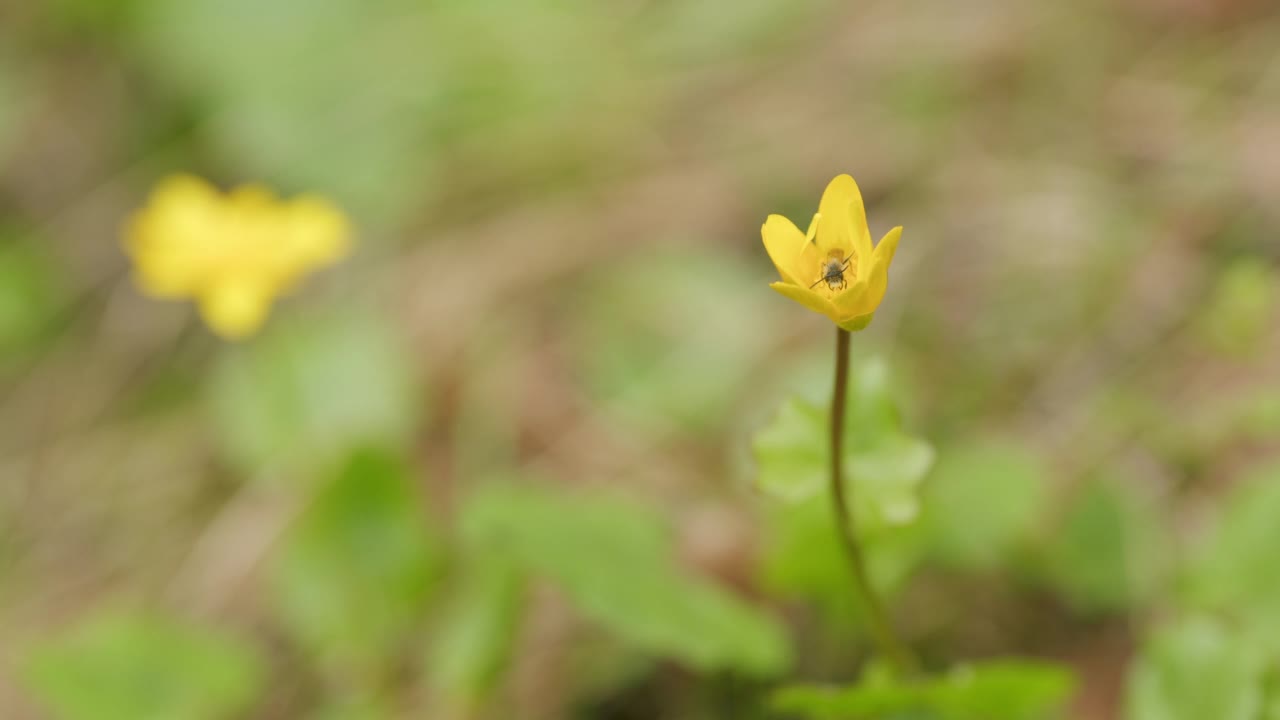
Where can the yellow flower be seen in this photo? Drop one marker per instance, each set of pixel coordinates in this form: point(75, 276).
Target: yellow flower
point(833, 269)
point(232, 253)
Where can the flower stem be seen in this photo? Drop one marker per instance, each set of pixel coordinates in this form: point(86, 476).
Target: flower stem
point(881, 629)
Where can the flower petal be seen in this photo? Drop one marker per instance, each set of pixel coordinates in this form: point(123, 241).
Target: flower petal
point(851, 300)
point(853, 303)
point(859, 323)
point(806, 297)
point(784, 243)
point(318, 232)
point(843, 222)
point(878, 277)
point(170, 238)
point(236, 309)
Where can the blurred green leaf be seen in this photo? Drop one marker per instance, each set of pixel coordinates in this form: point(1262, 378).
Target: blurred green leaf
point(791, 452)
point(1111, 549)
point(884, 465)
point(802, 558)
point(999, 690)
point(477, 630)
point(887, 479)
point(856, 703)
point(615, 562)
point(1260, 416)
point(1243, 307)
point(354, 572)
point(142, 667)
point(305, 395)
point(28, 294)
point(1005, 690)
point(1272, 694)
point(981, 502)
point(1235, 569)
point(94, 15)
point(1196, 669)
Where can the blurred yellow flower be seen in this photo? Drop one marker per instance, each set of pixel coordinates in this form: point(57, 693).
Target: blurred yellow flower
point(233, 253)
point(833, 269)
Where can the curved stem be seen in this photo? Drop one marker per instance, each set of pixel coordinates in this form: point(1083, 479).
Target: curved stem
point(881, 629)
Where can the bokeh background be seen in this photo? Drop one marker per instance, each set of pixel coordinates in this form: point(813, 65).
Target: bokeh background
point(521, 456)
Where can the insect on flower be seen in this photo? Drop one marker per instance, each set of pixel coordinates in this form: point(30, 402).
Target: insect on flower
point(833, 273)
point(833, 269)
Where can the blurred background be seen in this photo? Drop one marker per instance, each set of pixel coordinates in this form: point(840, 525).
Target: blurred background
point(521, 454)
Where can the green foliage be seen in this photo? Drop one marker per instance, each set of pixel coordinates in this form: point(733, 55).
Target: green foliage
point(791, 453)
point(981, 502)
point(615, 562)
point(1195, 669)
point(1109, 551)
point(355, 571)
point(1260, 414)
point(1235, 570)
point(884, 467)
point(1243, 307)
point(802, 558)
point(1028, 269)
point(884, 464)
point(1000, 690)
point(143, 667)
point(477, 630)
point(28, 293)
point(307, 394)
point(93, 16)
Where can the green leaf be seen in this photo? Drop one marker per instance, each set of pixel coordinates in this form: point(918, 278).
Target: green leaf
point(981, 502)
point(1272, 693)
point(615, 562)
point(1260, 413)
point(354, 572)
point(306, 395)
point(477, 630)
point(1195, 669)
point(1243, 307)
point(884, 465)
point(144, 667)
point(791, 452)
point(856, 703)
point(803, 558)
point(93, 16)
point(1110, 551)
point(1235, 570)
point(29, 294)
point(999, 690)
point(1004, 690)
